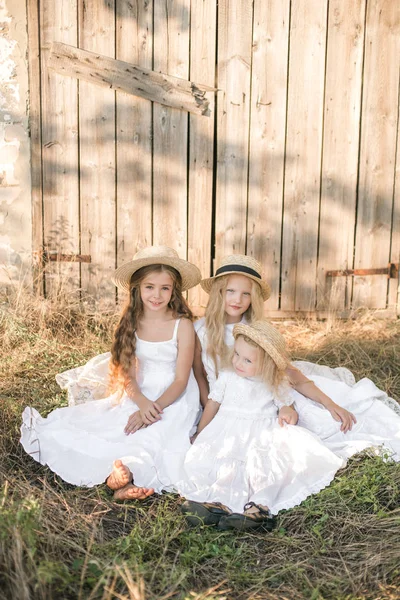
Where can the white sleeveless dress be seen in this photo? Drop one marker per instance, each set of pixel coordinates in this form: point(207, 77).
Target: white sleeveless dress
point(80, 442)
point(378, 416)
point(244, 455)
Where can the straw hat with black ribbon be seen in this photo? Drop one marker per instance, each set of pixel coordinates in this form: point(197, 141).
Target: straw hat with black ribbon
point(157, 255)
point(239, 264)
point(266, 336)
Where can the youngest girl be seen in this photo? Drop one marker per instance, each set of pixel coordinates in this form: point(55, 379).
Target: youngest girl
point(241, 457)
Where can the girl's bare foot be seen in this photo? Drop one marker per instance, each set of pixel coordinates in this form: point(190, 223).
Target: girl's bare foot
point(132, 492)
point(119, 477)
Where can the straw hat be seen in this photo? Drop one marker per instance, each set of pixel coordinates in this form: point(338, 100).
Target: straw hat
point(157, 255)
point(241, 265)
point(266, 336)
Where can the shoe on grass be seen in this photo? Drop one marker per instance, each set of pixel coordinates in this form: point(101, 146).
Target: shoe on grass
point(253, 517)
point(203, 513)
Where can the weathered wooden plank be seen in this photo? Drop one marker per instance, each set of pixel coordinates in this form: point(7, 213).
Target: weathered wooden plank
point(97, 157)
point(134, 44)
point(394, 284)
point(201, 146)
point(233, 108)
point(36, 138)
point(303, 154)
point(378, 147)
point(384, 313)
point(132, 79)
point(171, 56)
point(59, 150)
point(340, 150)
point(267, 137)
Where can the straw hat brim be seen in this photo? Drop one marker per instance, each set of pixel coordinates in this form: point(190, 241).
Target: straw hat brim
point(270, 340)
point(206, 284)
point(190, 273)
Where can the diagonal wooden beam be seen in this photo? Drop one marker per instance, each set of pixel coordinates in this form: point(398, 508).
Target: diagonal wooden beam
point(125, 77)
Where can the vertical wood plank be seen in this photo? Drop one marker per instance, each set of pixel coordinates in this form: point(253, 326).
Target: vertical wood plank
point(59, 148)
point(36, 137)
point(134, 44)
point(201, 145)
point(171, 56)
point(303, 153)
point(378, 146)
point(267, 137)
point(340, 150)
point(394, 284)
point(97, 156)
point(233, 113)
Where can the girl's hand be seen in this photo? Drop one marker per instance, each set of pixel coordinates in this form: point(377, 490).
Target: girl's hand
point(135, 422)
point(150, 412)
point(341, 414)
point(287, 414)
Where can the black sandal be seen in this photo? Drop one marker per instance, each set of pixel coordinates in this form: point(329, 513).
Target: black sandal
point(261, 519)
point(203, 513)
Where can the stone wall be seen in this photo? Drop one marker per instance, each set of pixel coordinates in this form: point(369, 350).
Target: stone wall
point(15, 178)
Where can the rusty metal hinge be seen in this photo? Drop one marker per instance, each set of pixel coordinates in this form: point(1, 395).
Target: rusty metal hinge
point(44, 256)
point(391, 271)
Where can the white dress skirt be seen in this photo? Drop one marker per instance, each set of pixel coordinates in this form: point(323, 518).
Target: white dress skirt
point(244, 455)
point(80, 442)
point(378, 416)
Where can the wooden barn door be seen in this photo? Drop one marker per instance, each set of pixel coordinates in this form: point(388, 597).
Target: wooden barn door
point(296, 161)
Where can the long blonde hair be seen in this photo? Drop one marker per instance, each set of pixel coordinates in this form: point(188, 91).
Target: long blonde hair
point(123, 349)
point(216, 318)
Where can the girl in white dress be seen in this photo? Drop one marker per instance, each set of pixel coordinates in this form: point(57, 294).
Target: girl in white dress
point(347, 416)
point(143, 424)
point(241, 458)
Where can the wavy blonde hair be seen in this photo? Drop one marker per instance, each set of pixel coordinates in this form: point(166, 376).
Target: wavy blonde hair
point(123, 349)
point(216, 318)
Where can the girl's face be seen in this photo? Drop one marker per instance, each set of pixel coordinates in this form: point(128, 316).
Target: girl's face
point(156, 291)
point(246, 359)
point(237, 297)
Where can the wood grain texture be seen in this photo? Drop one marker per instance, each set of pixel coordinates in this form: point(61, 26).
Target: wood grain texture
point(130, 78)
point(59, 149)
point(340, 150)
point(134, 44)
point(233, 113)
point(378, 150)
point(97, 157)
point(267, 138)
point(36, 139)
point(303, 154)
point(170, 180)
point(201, 146)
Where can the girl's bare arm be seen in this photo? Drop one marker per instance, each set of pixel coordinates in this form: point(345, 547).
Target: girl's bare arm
point(186, 341)
point(209, 412)
point(308, 389)
point(198, 370)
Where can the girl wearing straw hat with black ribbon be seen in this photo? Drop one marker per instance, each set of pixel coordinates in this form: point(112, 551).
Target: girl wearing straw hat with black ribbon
point(357, 416)
point(153, 398)
point(237, 294)
point(243, 466)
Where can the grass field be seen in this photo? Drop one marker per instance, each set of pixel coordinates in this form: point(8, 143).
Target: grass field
point(62, 542)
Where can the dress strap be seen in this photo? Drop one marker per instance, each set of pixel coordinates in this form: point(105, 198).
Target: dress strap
point(175, 334)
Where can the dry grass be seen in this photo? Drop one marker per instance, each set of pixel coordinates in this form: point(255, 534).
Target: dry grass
point(58, 541)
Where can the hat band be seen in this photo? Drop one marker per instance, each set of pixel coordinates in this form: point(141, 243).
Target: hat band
point(239, 268)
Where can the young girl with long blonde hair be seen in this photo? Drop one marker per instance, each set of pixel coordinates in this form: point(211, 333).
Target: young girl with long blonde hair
point(347, 416)
point(143, 424)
